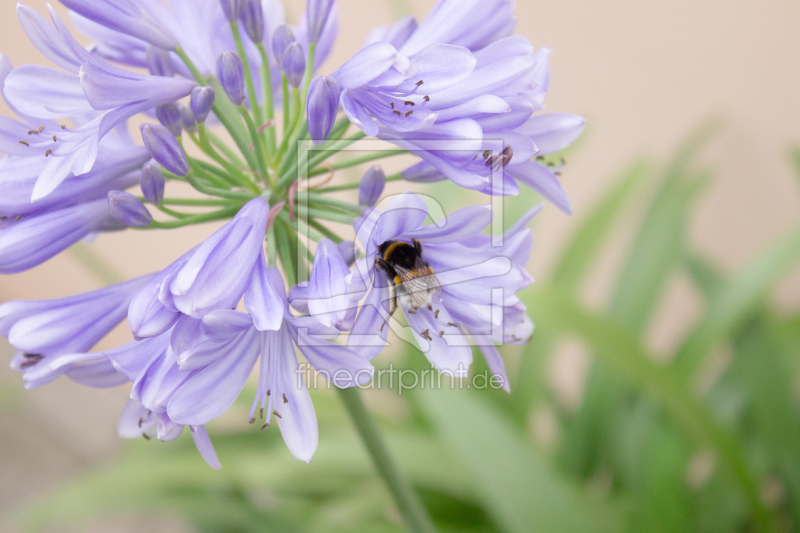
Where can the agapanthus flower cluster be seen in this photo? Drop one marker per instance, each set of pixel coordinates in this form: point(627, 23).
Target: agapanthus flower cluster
point(293, 268)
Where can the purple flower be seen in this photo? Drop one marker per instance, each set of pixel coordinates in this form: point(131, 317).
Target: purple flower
point(233, 345)
point(152, 183)
point(134, 18)
point(150, 366)
point(317, 12)
point(89, 85)
point(30, 241)
point(252, 18)
point(43, 330)
point(348, 251)
point(478, 283)
point(163, 147)
point(201, 102)
point(232, 9)
point(230, 72)
point(212, 276)
point(371, 186)
point(294, 64)
point(322, 108)
point(328, 300)
point(187, 119)
point(379, 82)
point(282, 37)
point(159, 62)
point(128, 210)
point(473, 24)
point(169, 115)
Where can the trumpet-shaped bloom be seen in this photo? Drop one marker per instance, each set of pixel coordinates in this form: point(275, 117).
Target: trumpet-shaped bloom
point(86, 84)
point(42, 330)
point(479, 283)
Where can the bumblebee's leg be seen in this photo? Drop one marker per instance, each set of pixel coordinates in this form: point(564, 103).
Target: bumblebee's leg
point(417, 246)
point(380, 263)
point(392, 304)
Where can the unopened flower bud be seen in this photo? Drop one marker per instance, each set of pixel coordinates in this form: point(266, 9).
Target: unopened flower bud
point(159, 62)
point(164, 148)
point(347, 249)
point(317, 12)
point(323, 105)
point(371, 187)
point(187, 119)
point(252, 18)
point(282, 37)
point(294, 64)
point(232, 9)
point(201, 102)
point(152, 183)
point(169, 115)
point(230, 72)
point(128, 209)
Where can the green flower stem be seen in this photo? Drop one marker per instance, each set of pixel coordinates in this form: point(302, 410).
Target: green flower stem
point(316, 199)
point(214, 191)
point(350, 186)
point(272, 247)
point(225, 177)
point(268, 100)
point(411, 509)
point(291, 131)
point(289, 160)
point(195, 203)
point(251, 127)
point(312, 52)
point(313, 235)
point(205, 146)
point(225, 149)
point(285, 252)
point(195, 219)
point(322, 155)
point(172, 213)
point(208, 174)
point(248, 78)
point(287, 111)
point(347, 163)
point(325, 231)
point(222, 107)
point(331, 216)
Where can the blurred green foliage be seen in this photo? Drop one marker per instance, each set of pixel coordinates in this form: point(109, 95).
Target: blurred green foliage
point(646, 449)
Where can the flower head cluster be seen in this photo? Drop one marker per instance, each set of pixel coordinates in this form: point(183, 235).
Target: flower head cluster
point(457, 90)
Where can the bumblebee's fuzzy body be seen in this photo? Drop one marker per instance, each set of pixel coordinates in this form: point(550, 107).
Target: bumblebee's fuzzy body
point(412, 280)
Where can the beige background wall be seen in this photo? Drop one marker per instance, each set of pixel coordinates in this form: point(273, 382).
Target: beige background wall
point(643, 73)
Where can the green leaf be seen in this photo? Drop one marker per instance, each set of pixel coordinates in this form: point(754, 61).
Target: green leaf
point(619, 349)
point(705, 275)
point(520, 490)
point(586, 241)
point(739, 298)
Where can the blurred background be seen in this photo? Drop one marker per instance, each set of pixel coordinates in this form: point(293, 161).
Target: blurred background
point(661, 391)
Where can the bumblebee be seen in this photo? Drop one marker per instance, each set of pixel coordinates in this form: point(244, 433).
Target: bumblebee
point(411, 279)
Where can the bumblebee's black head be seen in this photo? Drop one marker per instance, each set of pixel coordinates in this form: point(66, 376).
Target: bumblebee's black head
point(401, 254)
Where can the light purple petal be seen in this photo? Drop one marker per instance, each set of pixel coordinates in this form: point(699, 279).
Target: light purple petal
point(367, 338)
point(211, 391)
point(458, 226)
point(366, 65)
point(204, 446)
point(552, 132)
point(261, 300)
point(298, 421)
point(328, 301)
point(543, 181)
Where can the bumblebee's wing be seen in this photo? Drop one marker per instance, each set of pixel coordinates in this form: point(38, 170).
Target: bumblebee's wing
point(425, 272)
point(414, 287)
